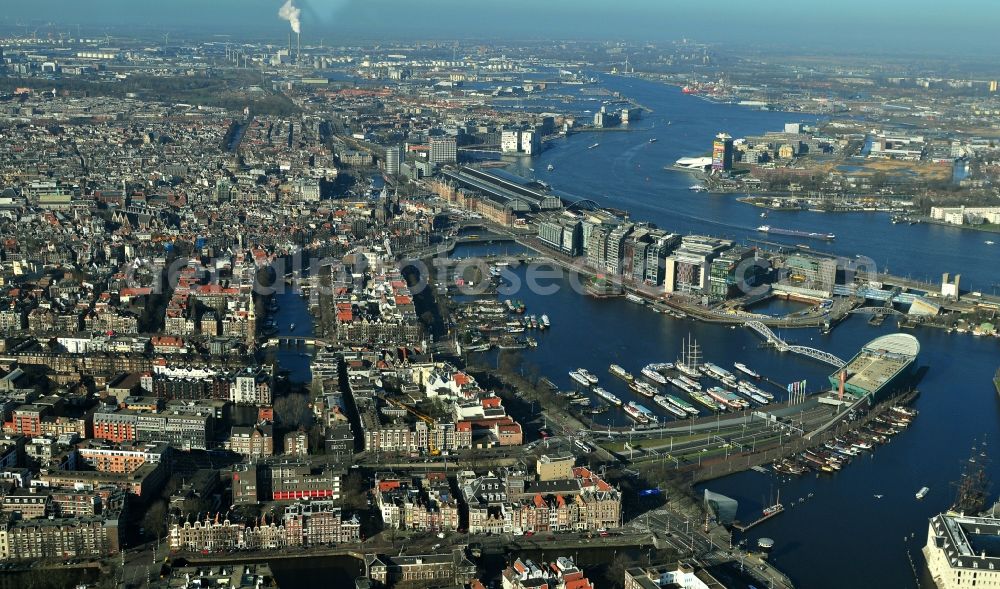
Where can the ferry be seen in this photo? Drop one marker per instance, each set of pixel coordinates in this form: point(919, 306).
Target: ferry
point(634, 298)
point(796, 233)
point(666, 404)
point(620, 373)
point(633, 411)
point(683, 405)
point(745, 370)
point(545, 322)
point(579, 378)
point(593, 146)
point(586, 374)
point(649, 371)
point(607, 396)
point(642, 388)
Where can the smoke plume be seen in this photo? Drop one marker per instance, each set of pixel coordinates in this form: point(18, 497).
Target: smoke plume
point(290, 13)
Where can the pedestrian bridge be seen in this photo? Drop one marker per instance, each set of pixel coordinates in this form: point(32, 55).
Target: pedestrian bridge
point(291, 341)
point(783, 346)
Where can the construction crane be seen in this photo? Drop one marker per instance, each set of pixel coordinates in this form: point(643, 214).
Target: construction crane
point(422, 417)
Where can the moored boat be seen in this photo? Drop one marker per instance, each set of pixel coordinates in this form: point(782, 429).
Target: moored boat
point(683, 405)
point(579, 378)
point(662, 401)
point(633, 411)
point(650, 372)
point(643, 388)
point(607, 396)
point(586, 374)
point(745, 370)
point(620, 372)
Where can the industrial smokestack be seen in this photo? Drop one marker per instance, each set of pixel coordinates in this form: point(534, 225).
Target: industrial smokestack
point(298, 46)
point(290, 13)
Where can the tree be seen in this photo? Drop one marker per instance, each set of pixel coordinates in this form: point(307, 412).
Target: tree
point(155, 519)
point(293, 411)
point(616, 569)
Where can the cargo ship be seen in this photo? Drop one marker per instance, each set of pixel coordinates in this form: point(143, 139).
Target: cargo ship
point(608, 396)
point(795, 233)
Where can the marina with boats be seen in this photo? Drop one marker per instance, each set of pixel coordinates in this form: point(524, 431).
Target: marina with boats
point(680, 388)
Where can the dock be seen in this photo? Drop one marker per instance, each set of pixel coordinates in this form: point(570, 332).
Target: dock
point(777, 507)
point(996, 381)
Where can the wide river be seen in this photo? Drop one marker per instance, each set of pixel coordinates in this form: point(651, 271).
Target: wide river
point(842, 536)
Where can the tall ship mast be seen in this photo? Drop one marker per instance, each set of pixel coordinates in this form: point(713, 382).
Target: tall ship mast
point(690, 358)
point(973, 487)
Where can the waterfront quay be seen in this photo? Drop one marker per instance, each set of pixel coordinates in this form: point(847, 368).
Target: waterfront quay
point(844, 300)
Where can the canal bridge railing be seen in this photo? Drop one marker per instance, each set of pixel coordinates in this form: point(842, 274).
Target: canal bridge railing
point(292, 341)
point(783, 346)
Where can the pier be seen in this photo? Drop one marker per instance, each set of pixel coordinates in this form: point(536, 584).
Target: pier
point(766, 515)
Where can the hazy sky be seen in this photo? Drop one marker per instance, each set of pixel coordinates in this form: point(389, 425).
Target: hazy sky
point(929, 26)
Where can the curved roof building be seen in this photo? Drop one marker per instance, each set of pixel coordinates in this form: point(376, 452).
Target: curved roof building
point(883, 366)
